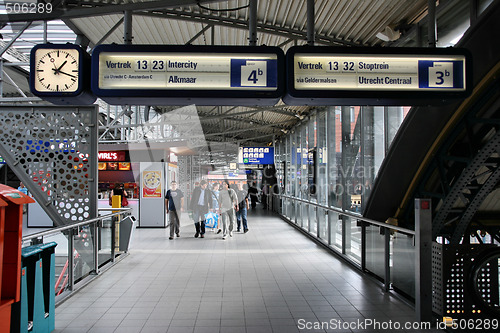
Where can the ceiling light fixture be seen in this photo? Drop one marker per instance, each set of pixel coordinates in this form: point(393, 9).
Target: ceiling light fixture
point(388, 35)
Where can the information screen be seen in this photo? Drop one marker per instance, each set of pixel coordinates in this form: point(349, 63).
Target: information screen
point(256, 155)
point(179, 71)
point(161, 71)
point(376, 76)
point(387, 72)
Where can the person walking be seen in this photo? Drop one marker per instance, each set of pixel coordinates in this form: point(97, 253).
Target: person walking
point(215, 204)
point(228, 201)
point(174, 201)
point(253, 191)
point(200, 204)
point(243, 206)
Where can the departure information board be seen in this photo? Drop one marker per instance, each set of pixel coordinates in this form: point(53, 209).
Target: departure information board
point(327, 74)
point(256, 155)
point(214, 74)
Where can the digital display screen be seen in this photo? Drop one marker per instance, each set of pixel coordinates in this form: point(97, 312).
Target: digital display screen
point(323, 75)
point(384, 72)
point(256, 155)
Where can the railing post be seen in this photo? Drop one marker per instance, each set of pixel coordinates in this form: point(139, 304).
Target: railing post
point(387, 259)
point(96, 247)
point(113, 238)
point(328, 227)
point(423, 259)
point(318, 224)
point(363, 245)
point(71, 260)
point(345, 239)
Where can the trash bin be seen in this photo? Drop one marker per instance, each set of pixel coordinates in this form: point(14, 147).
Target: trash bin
point(127, 226)
point(11, 228)
point(36, 311)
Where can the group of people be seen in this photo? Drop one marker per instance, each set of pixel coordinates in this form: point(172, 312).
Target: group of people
point(230, 205)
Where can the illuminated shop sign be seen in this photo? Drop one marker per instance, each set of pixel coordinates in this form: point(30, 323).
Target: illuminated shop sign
point(209, 75)
point(112, 156)
point(323, 75)
point(256, 155)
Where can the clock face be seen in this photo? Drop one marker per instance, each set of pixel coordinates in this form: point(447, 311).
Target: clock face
point(56, 70)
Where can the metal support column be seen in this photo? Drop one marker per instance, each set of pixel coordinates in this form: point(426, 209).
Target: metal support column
point(473, 12)
point(431, 6)
point(1, 77)
point(423, 260)
point(310, 22)
point(252, 23)
point(127, 27)
point(45, 29)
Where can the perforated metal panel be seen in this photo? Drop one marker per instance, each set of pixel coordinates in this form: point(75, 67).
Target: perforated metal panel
point(53, 151)
point(452, 284)
point(437, 278)
point(487, 283)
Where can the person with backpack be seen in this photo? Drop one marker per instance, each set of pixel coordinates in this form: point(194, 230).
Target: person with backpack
point(228, 203)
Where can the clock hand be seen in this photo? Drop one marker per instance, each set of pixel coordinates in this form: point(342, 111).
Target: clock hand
point(67, 74)
point(64, 63)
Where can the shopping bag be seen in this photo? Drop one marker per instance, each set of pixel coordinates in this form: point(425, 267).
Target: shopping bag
point(211, 220)
point(124, 202)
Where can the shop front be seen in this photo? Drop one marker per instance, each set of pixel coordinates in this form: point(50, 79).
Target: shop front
point(116, 169)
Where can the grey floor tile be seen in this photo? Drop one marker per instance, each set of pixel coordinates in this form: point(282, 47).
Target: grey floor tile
point(263, 281)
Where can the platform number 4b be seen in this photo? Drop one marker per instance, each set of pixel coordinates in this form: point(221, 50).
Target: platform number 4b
point(254, 74)
point(441, 75)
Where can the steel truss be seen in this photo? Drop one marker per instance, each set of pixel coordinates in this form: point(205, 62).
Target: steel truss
point(465, 171)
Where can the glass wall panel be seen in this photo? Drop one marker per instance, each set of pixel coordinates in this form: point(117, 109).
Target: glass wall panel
point(366, 171)
point(335, 230)
point(304, 209)
point(351, 161)
point(352, 239)
point(311, 190)
point(84, 259)
point(375, 251)
point(313, 220)
point(61, 259)
point(291, 175)
point(334, 157)
point(403, 263)
point(394, 117)
point(322, 224)
point(105, 241)
point(296, 174)
point(321, 183)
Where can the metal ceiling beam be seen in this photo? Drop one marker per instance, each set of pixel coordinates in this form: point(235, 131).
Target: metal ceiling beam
point(19, 33)
point(242, 130)
point(202, 31)
point(277, 109)
point(243, 24)
point(100, 41)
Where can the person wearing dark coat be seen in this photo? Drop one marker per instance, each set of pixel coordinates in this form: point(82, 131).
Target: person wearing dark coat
point(201, 202)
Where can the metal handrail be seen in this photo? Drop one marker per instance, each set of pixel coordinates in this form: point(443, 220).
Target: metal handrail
point(75, 225)
point(350, 214)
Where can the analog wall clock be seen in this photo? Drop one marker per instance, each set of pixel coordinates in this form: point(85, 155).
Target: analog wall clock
point(59, 73)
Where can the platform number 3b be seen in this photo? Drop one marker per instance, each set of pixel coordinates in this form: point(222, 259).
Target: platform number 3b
point(440, 74)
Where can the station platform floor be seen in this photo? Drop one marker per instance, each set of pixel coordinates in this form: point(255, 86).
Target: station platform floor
point(269, 280)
